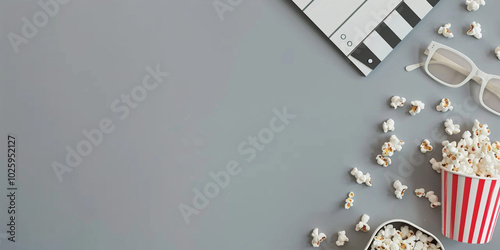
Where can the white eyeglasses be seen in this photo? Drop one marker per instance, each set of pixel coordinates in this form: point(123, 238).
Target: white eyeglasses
point(453, 69)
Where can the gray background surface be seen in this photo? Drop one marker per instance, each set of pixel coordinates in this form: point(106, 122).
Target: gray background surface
point(226, 77)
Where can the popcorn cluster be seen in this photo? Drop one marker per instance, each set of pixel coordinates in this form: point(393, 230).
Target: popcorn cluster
point(426, 146)
point(417, 106)
point(397, 101)
point(400, 189)
point(317, 237)
point(363, 224)
point(473, 5)
point(445, 31)
point(388, 125)
point(361, 178)
point(444, 106)
point(341, 239)
point(451, 128)
point(388, 149)
point(405, 238)
point(473, 155)
point(349, 202)
point(475, 30)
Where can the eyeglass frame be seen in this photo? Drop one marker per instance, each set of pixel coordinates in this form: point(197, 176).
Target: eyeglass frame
point(475, 74)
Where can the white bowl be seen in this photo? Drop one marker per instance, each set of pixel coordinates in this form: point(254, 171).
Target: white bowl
point(401, 221)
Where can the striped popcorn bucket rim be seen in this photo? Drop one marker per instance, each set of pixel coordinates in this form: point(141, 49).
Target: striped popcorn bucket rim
point(470, 206)
point(438, 242)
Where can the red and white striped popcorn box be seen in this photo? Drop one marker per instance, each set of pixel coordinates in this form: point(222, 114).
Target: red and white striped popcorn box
point(470, 206)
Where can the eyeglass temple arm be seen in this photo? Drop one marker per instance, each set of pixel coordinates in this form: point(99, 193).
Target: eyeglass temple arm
point(439, 59)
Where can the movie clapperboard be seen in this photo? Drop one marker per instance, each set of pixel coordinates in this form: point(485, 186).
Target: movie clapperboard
point(366, 31)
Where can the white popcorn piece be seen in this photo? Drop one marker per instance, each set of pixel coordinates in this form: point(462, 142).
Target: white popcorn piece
point(361, 178)
point(451, 128)
point(445, 31)
point(433, 199)
point(497, 52)
point(396, 143)
point(444, 105)
point(349, 202)
point(388, 125)
point(387, 149)
point(473, 5)
point(420, 192)
point(383, 161)
point(417, 106)
point(397, 101)
point(436, 165)
point(475, 30)
point(317, 237)
point(426, 146)
point(363, 224)
point(341, 239)
point(400, 189)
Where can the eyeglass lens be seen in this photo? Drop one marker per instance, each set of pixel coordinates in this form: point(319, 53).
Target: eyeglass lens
point(491, 94)
point(449, 67)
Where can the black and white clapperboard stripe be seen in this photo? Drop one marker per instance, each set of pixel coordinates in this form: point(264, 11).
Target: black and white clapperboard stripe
point(369, 51)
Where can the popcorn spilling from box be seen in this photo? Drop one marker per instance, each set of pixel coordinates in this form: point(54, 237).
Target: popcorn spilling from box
point(473, 5)
point(383, 161)
point(404, 238)
point(420, 192)
point(497, 52)
point(397, 101)
point(444, 105)
point(400, 189)
point(388, 125)
point(426, 146)
point(341, 239)
point(349, 202)
point(361, 178)
point(416, 107)
point(433, 199)
point(475, 30)
point(451, 128)
point(445, 31)
point(317, 237)
point(473, 155)
point(363, 224)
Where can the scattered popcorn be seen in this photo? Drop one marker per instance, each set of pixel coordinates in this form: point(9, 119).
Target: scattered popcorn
point(400, 189)
point(444, 106)
point(317, 238)
point(426, 146)
point(497, 52)
point(397, 101)
point(383, 160)
point(349, 202)
point(396, 143)
point(445, 31)
point(363, 224)
point(389, 238)
point(451, 128)
point(361, 178)
point(433, 199)
point(388, 125)
point(474, 154)
point(473, 5)
point(436, 165)
point(342, 238)
point(387, 149)
point(475, 30)
point(420, 192)
point(417, 106)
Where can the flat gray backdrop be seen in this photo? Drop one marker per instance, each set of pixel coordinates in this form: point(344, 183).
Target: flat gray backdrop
point(229, 76)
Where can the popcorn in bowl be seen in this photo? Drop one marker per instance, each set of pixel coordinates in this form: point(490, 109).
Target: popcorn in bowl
point(408, 236)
